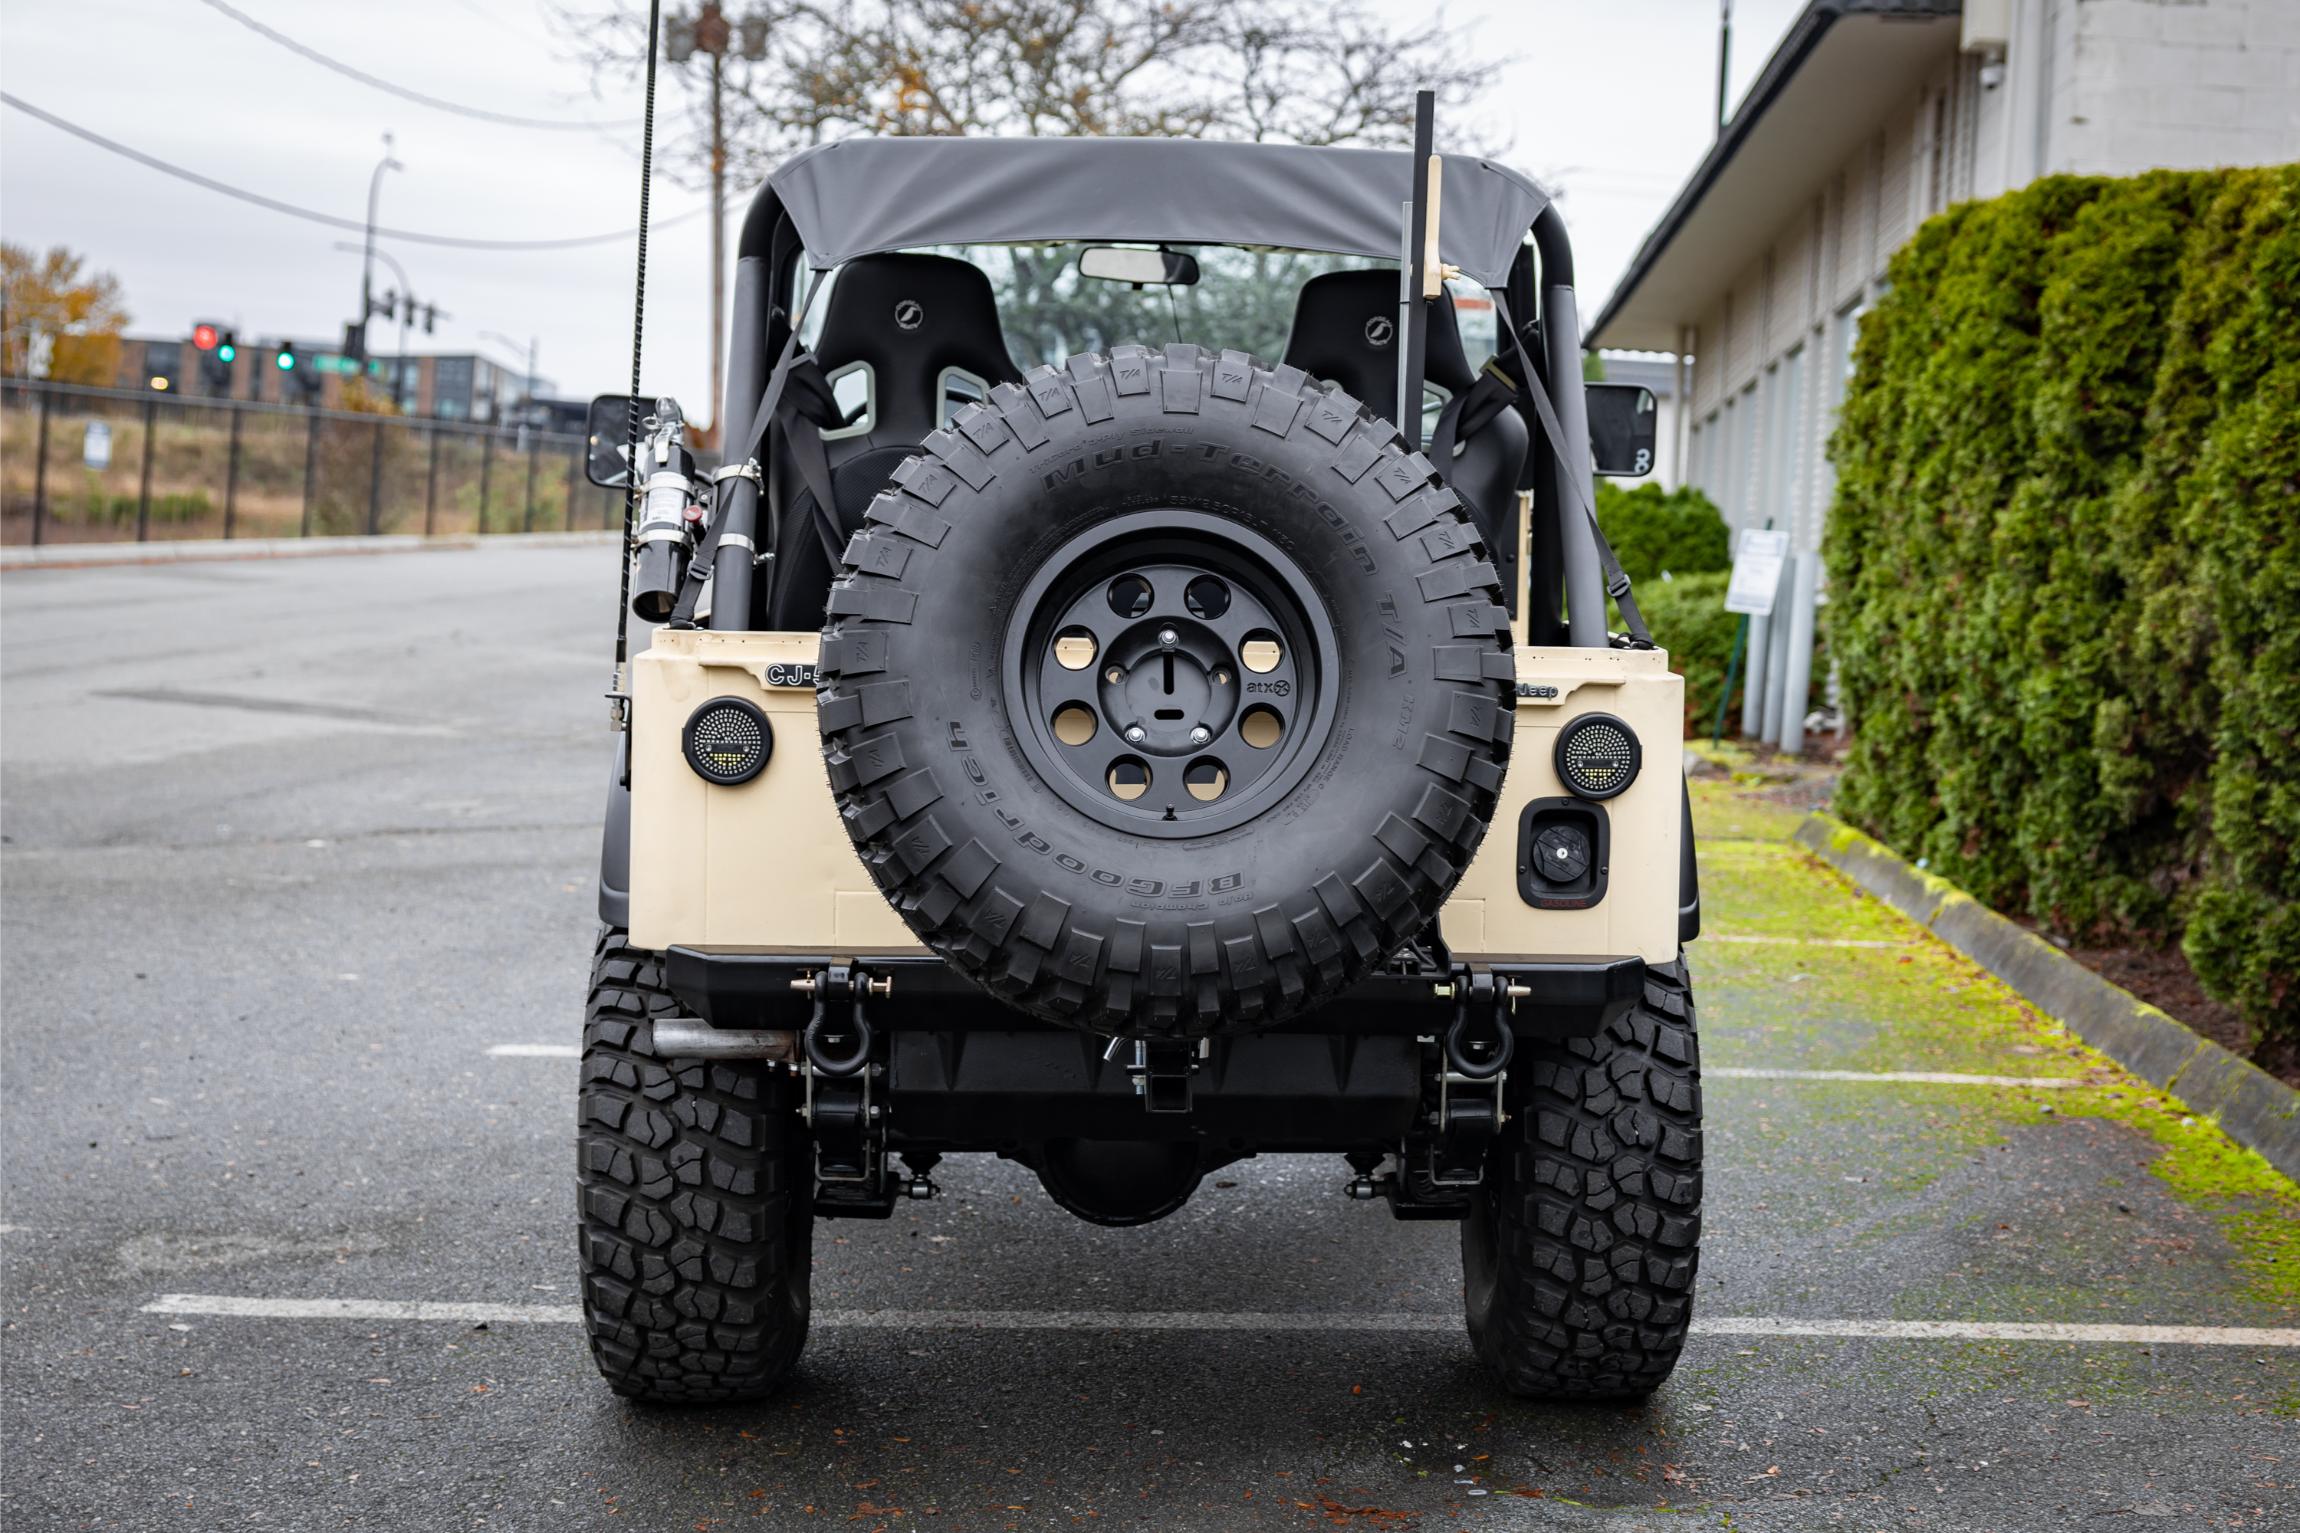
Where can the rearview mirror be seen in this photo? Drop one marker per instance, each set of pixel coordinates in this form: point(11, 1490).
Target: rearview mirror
point(1143, 268)
point(607, 439)
point(1624, 423)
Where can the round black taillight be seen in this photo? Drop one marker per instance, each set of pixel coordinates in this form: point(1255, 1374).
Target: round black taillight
point(727, 741)
point(1597, 755)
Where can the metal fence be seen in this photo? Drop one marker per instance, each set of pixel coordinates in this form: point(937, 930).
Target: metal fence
point(87, 465)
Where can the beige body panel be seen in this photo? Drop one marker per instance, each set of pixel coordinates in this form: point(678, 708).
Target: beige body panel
point(1485, 920)
point(767, 867)
point(764, 866)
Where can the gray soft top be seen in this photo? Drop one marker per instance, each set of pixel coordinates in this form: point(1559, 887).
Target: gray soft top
point(862, 196)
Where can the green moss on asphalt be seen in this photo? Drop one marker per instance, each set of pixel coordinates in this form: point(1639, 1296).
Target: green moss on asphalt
point(1723, 811)
point(1922, 1006)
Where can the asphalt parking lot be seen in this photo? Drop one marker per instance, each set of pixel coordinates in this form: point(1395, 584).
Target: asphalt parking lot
point(298, 903)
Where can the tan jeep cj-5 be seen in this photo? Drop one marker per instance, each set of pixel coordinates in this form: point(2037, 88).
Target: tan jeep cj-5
point(1138, 694)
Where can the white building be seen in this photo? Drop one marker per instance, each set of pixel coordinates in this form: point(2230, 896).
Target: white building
point(1871, 116)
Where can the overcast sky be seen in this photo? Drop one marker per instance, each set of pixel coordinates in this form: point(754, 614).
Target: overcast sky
point(1609, 99)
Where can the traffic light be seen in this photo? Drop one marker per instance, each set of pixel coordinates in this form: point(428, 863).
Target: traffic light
point(285, 359)
point(213, 343)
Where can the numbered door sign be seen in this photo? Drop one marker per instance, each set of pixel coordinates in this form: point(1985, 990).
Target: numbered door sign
point(1757, 571)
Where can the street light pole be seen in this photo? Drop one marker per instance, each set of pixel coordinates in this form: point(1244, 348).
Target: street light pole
point(533, 349)
point(405, 307)
point(367, 265)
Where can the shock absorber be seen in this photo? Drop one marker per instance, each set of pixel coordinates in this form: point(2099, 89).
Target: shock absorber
point(668, 515)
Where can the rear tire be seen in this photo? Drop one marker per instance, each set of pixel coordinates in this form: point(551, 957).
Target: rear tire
point(1579, 1253)
point(694, 1203)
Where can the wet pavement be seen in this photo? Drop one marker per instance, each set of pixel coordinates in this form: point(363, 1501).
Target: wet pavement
point(291, 846)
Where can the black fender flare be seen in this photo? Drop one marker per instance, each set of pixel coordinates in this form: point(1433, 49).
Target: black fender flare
point(1688, 870)
point(615, 842)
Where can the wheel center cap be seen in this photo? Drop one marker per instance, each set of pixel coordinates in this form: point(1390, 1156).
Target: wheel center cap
point(1174, 680)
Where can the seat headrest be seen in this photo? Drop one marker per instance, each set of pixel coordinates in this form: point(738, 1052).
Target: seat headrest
point(910, 317)
point(1346, 331)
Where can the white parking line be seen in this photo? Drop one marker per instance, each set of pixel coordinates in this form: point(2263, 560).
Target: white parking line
point(534, 1050)
point(1896, 1077)
point(226, 1305)
point(1811, 941)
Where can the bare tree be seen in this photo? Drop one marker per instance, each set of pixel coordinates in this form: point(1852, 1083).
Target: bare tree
point(1289, 71)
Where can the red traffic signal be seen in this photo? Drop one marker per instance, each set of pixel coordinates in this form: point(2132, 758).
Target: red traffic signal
point(204, 337)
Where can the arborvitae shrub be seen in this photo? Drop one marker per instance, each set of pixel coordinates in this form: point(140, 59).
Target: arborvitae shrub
point(2064, 565)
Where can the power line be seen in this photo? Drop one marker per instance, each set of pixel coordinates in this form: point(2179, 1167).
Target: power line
point(273, 34)
point(458, 242)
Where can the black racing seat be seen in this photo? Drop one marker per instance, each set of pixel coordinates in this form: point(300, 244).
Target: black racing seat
point(924, 331)
point(1345, 331)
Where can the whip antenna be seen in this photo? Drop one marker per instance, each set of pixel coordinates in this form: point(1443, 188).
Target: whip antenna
point(620, 698)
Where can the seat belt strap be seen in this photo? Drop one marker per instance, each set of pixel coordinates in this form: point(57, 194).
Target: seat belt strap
point(1617, 583)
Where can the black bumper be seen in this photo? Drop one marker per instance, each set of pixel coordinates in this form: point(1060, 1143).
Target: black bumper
point(1566, 997)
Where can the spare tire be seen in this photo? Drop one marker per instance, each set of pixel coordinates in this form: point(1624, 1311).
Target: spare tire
point(1166, 694)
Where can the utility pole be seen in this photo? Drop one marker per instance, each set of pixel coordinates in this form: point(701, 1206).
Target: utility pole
point(709, 32)
point(367, 265)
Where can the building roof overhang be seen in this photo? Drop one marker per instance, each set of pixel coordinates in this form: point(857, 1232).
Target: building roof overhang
point(1842, 69)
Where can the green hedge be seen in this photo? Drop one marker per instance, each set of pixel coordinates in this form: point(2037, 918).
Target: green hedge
point(1652, 530)
point(2064, 565)
point(1688, 618)
point(1674, 545)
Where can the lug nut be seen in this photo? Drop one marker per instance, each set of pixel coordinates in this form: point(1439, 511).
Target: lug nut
point(1114, 675)
point(1201, 735)
point(1169, 637)
point(1136, 734)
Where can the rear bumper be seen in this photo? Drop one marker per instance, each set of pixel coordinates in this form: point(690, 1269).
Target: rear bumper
point(1566, 997)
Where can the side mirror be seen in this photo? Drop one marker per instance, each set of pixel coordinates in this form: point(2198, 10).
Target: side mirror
point(1624, 423)
point(607, 438)
point(1143, 268)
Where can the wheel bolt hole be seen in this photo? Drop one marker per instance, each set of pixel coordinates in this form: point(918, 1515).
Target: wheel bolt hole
point(1261, 652)
point(1205, 778)
point(1128, 778)
point(1129, 596)
point(1074, 649)
point(1261, 728)
point(1073, 724)
point(1206, 597)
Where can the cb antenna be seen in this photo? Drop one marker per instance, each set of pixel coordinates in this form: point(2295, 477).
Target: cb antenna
point(618, 695)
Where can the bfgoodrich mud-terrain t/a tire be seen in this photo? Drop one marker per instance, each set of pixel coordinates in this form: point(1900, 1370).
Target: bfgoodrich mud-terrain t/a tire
point(1579, 1252)
point(693, 1188)
point(1166, 694)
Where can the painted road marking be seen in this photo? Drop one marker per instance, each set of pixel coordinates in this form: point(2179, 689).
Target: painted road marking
point(226, 1305)
point(534, 1050)
point(1898, 1078)
point(1813, 941)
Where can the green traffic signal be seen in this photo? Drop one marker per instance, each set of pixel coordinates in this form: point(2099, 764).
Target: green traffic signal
point(227, 351)
point(285, 361)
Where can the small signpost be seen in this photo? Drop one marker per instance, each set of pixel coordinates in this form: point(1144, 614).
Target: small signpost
point(1756, 572)
point(1756, 581)
point(96, 446)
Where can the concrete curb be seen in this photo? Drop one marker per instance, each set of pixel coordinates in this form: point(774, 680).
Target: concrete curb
point(69, 556)
point(2252, 1106)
